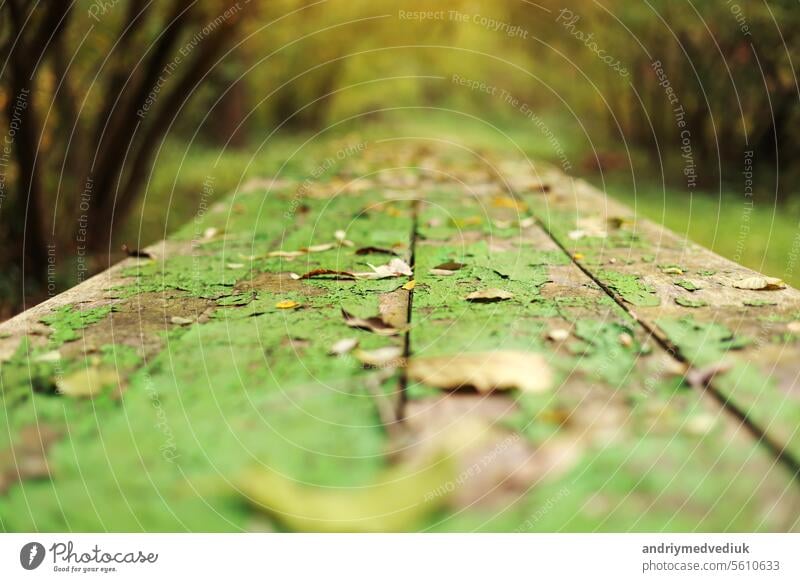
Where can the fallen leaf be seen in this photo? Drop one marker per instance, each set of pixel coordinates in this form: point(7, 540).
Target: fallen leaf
point(343, 346)
point(394, 268)
point(323, 273)
point(489, 296)
point(389, 356)
point(760, 283)
point(485, 371)
point(287, 304)
point(509, 202)
point(398, 499)
point(558, 334)
point(235, 265)
point(375, 251)
point(410, 285)
point(793, 326)
point(448, 268)
point(319, 248)
point(374, 324)
point(177, 320)
point(87, 382)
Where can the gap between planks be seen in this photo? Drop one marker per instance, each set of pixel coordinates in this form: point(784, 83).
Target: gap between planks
point(774, 447)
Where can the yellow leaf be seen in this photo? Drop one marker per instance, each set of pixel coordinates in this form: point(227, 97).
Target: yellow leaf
point(87, 382)
point(410, 285)
point(508, 202)
point(396, 502)
point(287, 304)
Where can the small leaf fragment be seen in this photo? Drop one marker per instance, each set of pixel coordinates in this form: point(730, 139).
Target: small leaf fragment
point(343, 346)
point(558, 334)
point(410, 285)
point(287, 304)
point(177, 320)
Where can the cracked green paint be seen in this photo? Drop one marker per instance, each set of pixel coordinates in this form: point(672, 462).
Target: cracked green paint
point(631, 288)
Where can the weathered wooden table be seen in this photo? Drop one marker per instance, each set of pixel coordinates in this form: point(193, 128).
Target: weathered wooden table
point(552, 364)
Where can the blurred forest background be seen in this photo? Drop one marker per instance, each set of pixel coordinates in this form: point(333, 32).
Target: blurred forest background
point(117, 111)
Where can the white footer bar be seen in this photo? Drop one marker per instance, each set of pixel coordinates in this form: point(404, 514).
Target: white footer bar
point(401, 557)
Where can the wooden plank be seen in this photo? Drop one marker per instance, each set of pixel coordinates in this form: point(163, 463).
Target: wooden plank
point(617, 443)
point(688, 298)
point(208, 377)
point(219, 407)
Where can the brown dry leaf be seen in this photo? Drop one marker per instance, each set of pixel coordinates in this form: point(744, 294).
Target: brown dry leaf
point(87, 382)
point(177, 320)
point(323, 273)
point(390, 356)
point(448, 268)
point(375, 251)
point(343, 346)
point(485, 371)
point(760, 283)
point(489, 296)
point(287, 304)
point(374, 324)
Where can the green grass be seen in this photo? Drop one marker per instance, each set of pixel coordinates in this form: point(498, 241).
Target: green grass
point(760, 237)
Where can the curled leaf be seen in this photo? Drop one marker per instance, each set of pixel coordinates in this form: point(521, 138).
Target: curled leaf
point(375, 251)
point(760, 283)
point(374, 324)
point(287, 304)
point(324, 274)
